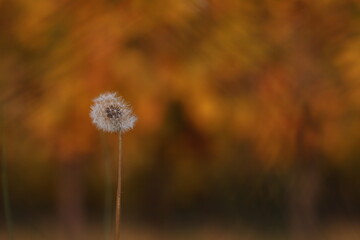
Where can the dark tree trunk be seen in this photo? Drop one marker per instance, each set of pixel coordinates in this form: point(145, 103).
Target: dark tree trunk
point(305, 183)
point(303, 197)
point(70, 194)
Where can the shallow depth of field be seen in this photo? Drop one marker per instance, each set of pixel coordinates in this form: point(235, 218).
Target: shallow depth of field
point(248, 119)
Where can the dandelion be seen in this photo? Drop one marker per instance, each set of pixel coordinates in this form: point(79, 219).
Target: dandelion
point(111, 113)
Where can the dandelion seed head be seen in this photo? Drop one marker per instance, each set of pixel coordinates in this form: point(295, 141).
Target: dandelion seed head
point(111, 113)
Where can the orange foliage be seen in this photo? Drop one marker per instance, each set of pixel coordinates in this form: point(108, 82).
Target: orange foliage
point(241, 69)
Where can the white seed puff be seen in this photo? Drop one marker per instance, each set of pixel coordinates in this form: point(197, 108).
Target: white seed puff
point(111, 113)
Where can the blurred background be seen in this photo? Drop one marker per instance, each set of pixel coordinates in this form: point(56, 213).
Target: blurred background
point(248, 118)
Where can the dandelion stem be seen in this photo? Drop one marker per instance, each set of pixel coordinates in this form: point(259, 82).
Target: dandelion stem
point(118, 194)
point(5, 186)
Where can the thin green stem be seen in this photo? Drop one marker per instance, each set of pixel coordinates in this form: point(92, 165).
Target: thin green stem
point(118, 194)
point(5, 187)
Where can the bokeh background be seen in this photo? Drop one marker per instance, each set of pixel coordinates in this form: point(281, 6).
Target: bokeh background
point(248, 118)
